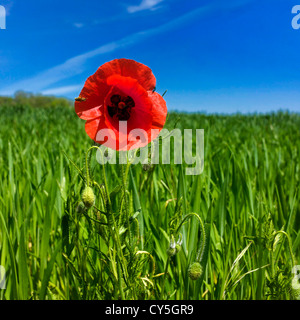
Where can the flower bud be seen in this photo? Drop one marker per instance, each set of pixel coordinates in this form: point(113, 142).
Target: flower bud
point(179, 243)
point(178, 247)
point(172, 248)
point(88, 197)
point(195, 271)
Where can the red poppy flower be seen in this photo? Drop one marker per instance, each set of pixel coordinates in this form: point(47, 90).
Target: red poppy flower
point(121, 91)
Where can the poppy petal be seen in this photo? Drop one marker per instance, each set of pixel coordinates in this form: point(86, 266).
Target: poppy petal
point(138, 71)
point(128, 68)
point(93, 126)
point(159, 110)
point(89, 113)
point(92, 97)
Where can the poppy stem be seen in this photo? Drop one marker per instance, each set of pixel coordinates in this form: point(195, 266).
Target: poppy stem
point(87, 167)
point(124, 173)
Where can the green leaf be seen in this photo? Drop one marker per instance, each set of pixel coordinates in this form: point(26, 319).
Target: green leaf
point(48, 271)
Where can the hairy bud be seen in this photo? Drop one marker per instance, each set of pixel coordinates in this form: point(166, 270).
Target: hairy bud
point(195, 271)
point(88, 197)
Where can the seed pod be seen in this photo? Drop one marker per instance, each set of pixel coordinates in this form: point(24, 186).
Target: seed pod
point(195, 271)
point(88, 197)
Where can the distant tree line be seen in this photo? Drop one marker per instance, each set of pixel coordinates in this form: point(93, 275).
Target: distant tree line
point(26, 99)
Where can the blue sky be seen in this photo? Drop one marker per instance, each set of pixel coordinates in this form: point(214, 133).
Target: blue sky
point(212, 56)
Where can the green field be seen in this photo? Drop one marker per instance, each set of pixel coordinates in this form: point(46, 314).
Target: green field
point(247, 198)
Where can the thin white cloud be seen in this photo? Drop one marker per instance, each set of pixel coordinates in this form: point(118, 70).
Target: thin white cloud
point(68, 69)
point(62, 90)
point(77, 65)
point(144, 5)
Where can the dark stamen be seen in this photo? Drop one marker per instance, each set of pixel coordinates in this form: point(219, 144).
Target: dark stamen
point(115, 99)
point(121, 107)
point(111, 110)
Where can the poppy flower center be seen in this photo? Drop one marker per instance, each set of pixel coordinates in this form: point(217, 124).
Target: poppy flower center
point(120, 107)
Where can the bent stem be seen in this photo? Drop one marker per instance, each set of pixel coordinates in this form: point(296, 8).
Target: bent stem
point(200, 252)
